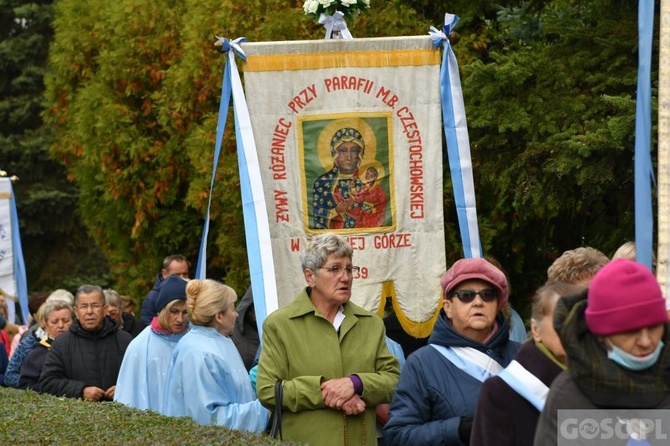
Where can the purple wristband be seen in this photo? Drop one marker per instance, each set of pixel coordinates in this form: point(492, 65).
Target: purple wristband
point(358, 384)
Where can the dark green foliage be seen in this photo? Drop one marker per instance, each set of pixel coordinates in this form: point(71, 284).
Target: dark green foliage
point(132, 96)
point(552, 125)
point(135, 112)
point(122, 144)
point(55, 246)
point(24, 43)
point(31, 418)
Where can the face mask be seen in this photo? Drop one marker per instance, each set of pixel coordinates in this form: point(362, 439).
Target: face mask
point(631, 362)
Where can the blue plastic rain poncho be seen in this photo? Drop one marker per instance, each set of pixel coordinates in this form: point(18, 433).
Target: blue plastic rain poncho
point(208, 382)
point(141, 382)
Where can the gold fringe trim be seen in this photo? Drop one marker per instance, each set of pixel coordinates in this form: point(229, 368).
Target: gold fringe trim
point(350, 59)
point(416, 329)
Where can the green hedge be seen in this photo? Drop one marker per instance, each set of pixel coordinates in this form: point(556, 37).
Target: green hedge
point(30, 418)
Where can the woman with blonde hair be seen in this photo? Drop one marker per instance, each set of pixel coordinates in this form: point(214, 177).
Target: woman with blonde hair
point(55, 318)
point(207, 380)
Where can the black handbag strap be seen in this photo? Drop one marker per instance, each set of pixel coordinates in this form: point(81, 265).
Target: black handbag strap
point(275, 430)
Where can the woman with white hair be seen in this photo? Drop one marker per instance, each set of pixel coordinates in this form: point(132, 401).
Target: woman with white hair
point(329, 354)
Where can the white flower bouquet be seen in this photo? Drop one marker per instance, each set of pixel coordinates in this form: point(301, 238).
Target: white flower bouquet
point(350, 8)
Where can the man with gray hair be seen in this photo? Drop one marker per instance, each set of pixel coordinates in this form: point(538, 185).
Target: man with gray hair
point(85, 361)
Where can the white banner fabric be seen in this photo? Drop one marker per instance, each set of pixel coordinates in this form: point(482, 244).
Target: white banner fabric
point(8, 287)
point(348, 134)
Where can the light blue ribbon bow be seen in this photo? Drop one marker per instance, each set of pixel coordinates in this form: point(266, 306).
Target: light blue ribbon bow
point(450, 21)
point(227, 45)
point(437, 36)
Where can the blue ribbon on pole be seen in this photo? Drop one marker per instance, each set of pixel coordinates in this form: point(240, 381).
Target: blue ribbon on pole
point(256, 225)
point(644, 221)
point(458, 143)
point(226, 91)
point(19, 263)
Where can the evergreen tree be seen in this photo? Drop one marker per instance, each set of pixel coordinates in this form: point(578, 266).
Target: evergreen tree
point(54, 243)
point(135, 112)
point(552, 123)
point(549, 88)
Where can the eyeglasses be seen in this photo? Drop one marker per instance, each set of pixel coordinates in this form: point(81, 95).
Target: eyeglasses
point(93, 307)
point(467, 296)
point(338, 270)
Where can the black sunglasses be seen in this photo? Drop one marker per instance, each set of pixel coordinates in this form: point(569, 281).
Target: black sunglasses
point(467, 296)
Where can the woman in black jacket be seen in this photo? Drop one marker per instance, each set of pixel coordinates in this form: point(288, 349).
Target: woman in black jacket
point(55, 318)
point(510, 403)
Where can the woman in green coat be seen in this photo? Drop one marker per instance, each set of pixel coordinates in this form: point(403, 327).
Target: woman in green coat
point(329, 353)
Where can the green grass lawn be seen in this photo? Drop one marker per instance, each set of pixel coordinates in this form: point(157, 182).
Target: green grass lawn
point(30, 418)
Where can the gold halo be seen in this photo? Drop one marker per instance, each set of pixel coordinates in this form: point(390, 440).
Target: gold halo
point(368, 135)
point(371, 163)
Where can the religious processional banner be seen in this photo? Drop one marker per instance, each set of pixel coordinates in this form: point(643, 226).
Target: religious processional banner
point(348, 136)
point(12, 269)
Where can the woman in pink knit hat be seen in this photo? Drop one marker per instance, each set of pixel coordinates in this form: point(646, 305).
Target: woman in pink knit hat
point(615, 337)
point(436, 396)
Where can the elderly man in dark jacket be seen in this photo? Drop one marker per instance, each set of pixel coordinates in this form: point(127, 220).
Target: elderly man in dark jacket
point(84, 362)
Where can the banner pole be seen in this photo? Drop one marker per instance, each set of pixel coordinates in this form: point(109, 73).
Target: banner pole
point(664, 151)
